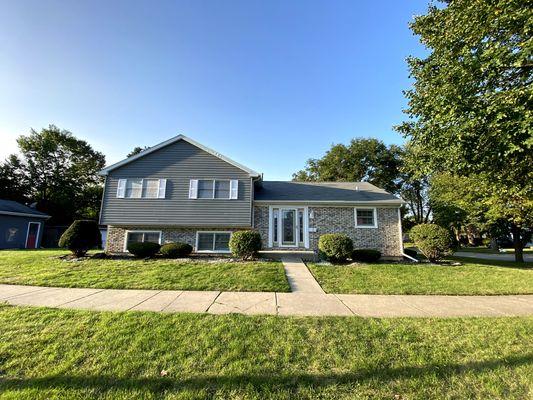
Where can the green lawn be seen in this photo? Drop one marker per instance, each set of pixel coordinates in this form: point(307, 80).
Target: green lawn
point(472, 278)
point(66, 354)
point(44, 268)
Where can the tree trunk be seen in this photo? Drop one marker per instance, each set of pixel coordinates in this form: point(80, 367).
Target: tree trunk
point(518, 245)
point(494, 244)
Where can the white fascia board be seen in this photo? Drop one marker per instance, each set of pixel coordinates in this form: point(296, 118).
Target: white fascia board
point(334, 203)
point(18, 214)
point(175, 139)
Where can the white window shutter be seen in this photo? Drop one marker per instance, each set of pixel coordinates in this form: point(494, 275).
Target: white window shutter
point(234, 189)
point(193, 189)
point(121, 188)
point(162, 189)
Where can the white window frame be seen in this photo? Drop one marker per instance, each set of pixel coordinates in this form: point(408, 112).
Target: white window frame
point(161, 188)
point(233, 189)
point(211, 251)
point(139, 231)
point(375, 217)
point(28, 234)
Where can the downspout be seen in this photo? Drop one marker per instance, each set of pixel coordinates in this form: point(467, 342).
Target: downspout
point(401, 238)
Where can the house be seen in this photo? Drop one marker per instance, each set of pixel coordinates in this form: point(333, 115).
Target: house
point(180, 190)
point(21, 227)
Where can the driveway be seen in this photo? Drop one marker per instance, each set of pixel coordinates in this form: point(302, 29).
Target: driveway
point(496, 257)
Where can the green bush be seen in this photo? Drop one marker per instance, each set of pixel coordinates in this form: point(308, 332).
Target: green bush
point(245, 244)
point(176, 250)
point(432, 240)
point(81, 236)
point(411, 252)
point(144, 249)
point(366, 255)
point(335, 247)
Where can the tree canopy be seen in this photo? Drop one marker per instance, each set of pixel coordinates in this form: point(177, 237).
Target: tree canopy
point(136, 150)
point(472, 100)
point(58, 172)
point(363, 159)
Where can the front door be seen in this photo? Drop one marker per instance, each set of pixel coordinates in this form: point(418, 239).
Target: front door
point(33, 235)
point(288, 227)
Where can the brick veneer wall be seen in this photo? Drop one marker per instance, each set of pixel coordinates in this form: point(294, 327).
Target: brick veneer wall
point(116, 235)
point(385, 238)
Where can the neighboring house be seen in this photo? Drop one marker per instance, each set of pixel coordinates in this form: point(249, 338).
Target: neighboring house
point(180, 190)
point(21, 227)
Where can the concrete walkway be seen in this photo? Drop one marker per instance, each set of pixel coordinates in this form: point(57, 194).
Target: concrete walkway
point(488, 256)
point(298, 303)
point(300, 278)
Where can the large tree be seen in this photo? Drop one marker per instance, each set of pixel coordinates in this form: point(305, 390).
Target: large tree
point(58, 172)
point(363, 159)
point(472, 100)
point(414, 189)
point(13, 183)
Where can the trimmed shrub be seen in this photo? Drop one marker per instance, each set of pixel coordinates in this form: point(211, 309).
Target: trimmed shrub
point(411, 252)
point(144, 249)
point(366, 255)
point(432, 240)
point(245, 244)
point(335, 247)
point(176, 250)
point(81, 236)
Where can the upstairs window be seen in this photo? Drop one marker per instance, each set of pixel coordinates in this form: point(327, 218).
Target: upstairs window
point(205, 189)
point(133, 188)
point(365, 218)
point(214, 189)
point(138, 188)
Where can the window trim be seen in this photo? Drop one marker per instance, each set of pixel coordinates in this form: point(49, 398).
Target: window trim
point(28, 234)
point(161, 188)
point(139, 231)
point(375, 217)
point(211, 251)
point(233, 192)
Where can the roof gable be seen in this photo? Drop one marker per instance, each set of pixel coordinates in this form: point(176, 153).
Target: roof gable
point(175, 139)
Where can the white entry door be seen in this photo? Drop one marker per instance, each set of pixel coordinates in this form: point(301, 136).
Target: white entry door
point(288, 227)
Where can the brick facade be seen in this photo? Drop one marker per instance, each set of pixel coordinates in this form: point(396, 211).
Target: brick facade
point(116, 235)
point(385, 238)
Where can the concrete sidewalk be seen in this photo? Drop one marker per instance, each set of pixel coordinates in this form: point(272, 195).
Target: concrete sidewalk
point(297, 304)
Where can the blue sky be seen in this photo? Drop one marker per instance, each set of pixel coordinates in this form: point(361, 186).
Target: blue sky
point(267, 83)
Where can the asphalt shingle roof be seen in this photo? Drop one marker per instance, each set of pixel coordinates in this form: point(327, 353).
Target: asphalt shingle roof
point(10, 206)
point(323, 191)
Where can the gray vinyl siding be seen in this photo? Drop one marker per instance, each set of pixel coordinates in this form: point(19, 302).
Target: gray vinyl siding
point(178, 163)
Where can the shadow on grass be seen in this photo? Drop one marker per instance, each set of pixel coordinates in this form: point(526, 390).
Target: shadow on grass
point(265, 381)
